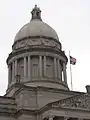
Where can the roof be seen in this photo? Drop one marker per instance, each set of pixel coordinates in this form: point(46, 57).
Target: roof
point(36, 27)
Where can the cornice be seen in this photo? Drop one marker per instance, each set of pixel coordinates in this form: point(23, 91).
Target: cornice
point(6, 111)
point(21, 111)
point(41, 88)
point(39, 49)
point(4, 97)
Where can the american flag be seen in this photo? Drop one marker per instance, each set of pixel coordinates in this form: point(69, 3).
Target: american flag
point(72, 60)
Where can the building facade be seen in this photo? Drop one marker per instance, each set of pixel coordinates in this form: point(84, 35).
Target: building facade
point(37, 78)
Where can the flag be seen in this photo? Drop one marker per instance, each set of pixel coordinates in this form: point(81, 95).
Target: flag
point(72, 60)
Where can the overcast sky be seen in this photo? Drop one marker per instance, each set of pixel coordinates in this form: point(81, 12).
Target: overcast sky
point(70, 19)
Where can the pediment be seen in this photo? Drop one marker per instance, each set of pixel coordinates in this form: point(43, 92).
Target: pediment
point(75, 102)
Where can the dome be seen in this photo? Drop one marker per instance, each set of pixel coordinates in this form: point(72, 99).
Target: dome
point(36, 27)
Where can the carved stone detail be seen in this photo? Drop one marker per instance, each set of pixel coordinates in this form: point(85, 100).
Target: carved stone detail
point(39, 41)
point(77, 102)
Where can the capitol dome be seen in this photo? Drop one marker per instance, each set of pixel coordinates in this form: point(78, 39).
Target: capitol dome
point(37, 58)
point(36, 27)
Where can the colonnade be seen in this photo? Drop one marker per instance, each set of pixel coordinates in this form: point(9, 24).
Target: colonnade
point(62, 118)
point(13, 71)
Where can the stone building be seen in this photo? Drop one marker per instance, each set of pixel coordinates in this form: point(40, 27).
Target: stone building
point(37, 80)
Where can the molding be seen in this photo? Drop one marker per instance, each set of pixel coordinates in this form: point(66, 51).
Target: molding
point(7, 111)
point(38, 49)
point(21, 111)
point(44, 80)
point(4, 97)
point(40, 88)
point(37, 37)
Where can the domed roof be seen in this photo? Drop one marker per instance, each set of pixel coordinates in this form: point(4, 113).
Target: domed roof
point(36, 27)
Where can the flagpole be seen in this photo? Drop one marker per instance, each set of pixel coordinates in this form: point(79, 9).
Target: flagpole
point(70, 73)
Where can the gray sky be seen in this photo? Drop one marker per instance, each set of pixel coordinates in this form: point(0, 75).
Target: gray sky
point(70, 19)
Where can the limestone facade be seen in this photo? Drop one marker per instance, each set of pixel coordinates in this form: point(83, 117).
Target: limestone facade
point(37, 78)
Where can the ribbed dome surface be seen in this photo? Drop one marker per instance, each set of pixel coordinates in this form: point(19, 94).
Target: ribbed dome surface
point(36, 27)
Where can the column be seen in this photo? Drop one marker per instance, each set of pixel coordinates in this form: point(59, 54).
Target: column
point(79, 118)
point(58, 69)
point(13, 71)
point(9, 76)
point(44, 65)
point(55, 68)
point(66, 118)
point(29, 68)
point(50, 118)
point(25, 72)
point(40, 66)
point(39, 117)
point(15, 67)
point(64, 73)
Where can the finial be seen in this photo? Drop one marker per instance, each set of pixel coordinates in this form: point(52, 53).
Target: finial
point(36, 13)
